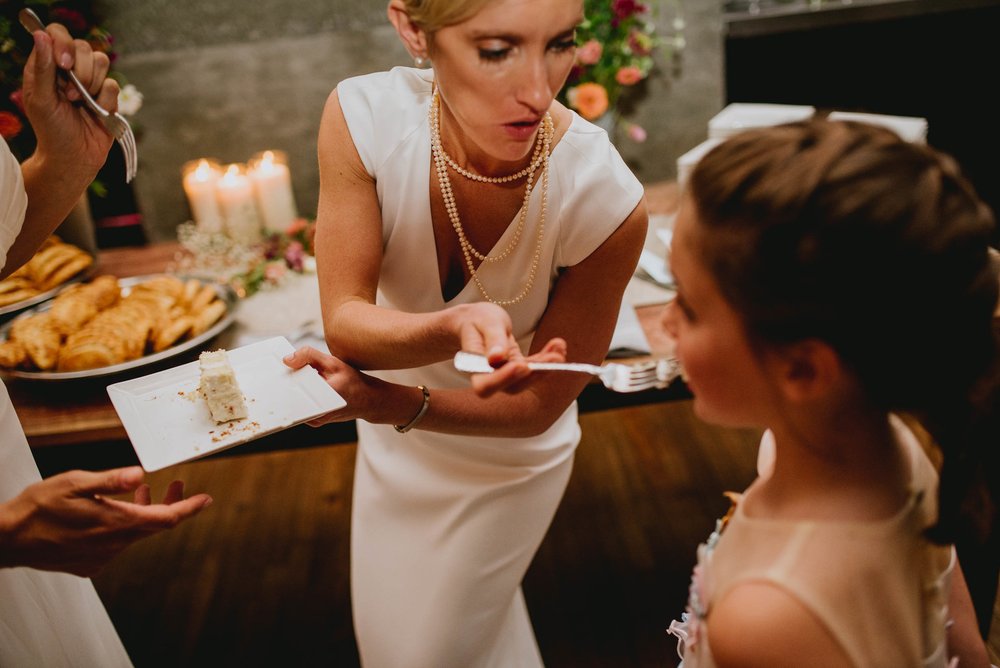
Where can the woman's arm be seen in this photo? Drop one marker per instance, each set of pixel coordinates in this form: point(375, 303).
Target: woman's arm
point(582, 311)
point(349, 254)
point(72, 145)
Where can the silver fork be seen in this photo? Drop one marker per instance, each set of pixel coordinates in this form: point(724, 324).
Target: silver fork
point(114, 123)
point(618, 377)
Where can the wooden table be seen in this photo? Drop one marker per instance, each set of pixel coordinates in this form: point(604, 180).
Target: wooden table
point(80, 412)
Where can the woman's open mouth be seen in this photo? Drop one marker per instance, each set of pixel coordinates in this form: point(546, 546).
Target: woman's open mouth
point(522, 130)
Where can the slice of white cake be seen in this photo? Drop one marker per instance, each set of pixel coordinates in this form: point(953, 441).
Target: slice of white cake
point(219, 387)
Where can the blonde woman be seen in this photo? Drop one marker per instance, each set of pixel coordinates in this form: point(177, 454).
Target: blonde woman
point(462, 207)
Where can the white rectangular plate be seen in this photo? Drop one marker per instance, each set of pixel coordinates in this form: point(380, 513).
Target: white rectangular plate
point(168, 421)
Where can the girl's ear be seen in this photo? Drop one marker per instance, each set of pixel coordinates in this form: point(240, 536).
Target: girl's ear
point(809, 370)
point(413, 36)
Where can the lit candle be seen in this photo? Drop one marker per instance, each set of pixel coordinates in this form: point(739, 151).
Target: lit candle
point(200, 177)
point(272, 185)
point(235, 195)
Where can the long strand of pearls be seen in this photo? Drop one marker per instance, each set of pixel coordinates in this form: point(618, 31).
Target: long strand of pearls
point(442, 161)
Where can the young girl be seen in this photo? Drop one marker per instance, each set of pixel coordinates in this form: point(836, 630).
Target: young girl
point(831, 276)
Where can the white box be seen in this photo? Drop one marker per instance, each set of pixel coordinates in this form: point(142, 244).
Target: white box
point(686, 163)
point(740, 116)
point(911, 128)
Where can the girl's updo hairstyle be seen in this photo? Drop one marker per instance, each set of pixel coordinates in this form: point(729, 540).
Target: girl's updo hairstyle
point(432, 15)
point(844, 232)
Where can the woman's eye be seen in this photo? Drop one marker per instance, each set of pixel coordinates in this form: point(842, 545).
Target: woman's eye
point(564, 44)
point(493, 55)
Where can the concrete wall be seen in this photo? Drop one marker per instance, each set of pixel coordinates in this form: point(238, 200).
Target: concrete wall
point(228, 78)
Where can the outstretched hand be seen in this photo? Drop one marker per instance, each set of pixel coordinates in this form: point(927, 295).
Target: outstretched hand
point(68, 523)
point(361, 391)
point(510, 376)
point(64, 129)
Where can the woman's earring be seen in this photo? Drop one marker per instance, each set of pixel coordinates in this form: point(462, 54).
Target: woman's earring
point(419, 61)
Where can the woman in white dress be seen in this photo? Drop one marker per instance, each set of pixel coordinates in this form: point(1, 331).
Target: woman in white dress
point(63, 523)
point(462, 207)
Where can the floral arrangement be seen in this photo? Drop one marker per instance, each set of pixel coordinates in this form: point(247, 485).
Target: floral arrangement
point(15, 46)
point(615, 54)
point(281, 252)
point(248, 269)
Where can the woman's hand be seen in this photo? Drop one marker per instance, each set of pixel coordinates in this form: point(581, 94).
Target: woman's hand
point(509, 377)
point(66, 523)
point(486, 329)
point(364, 394)
point(67, 132)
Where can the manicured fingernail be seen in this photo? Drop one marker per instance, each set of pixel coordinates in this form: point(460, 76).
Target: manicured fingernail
point(66, 60)
point(496, 350)
point(208, 502)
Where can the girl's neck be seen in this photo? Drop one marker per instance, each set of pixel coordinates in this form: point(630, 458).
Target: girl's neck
point(851, 468)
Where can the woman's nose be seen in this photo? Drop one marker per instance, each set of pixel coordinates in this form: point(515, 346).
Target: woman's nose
point(534, 89)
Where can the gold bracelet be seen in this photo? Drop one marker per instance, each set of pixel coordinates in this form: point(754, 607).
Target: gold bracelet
point(402, 429)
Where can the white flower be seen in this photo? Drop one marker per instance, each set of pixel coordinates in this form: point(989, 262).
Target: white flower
point(129, 100)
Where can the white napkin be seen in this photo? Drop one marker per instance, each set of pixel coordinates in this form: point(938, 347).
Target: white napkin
point(629, 339)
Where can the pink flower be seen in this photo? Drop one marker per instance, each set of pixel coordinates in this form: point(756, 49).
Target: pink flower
point(640, 43)
point(589, 52)
point(628, 75)
point(274, 271)
point(636, 133)
point(17, 97)
point(295, 254)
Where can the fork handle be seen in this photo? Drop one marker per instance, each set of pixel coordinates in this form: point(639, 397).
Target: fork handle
point(29, 19)
point(566, 366)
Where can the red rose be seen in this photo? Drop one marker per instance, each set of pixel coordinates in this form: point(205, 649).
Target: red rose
point(10, 125)
point(626, 8)
point(70, 18)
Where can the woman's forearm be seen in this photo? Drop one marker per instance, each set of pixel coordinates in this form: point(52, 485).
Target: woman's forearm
point(460, 411)
point(372, 337)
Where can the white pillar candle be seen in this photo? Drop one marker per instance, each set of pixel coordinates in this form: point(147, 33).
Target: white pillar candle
point(235, 195)
point(200, 177)
point(272, 185)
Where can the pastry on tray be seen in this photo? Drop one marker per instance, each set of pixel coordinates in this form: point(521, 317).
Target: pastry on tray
point(52, 265)
point(97, 324)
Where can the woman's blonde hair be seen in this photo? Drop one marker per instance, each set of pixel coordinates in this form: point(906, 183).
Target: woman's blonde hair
point(432, 15)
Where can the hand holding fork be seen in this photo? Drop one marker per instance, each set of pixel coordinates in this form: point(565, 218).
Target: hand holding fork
point(114, 123)
point(615, 376)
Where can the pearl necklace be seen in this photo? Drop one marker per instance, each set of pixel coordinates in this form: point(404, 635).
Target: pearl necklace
point(442, 161)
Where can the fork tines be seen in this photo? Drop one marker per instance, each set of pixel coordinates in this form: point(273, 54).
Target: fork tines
point(127, 140)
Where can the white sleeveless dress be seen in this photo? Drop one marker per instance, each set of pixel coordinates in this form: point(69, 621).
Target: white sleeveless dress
point(444, 527)
point(46, 619)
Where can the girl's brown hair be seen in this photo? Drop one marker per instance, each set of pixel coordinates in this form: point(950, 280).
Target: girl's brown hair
point(844, 232)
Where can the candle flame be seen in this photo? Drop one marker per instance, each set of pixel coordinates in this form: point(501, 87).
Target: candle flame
point(204, 171)
point(232, 175)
